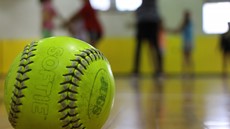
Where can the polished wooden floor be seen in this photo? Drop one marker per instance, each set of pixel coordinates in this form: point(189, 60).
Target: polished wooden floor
point(171, 103)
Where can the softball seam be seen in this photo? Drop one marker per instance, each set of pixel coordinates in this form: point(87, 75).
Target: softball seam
point(19, 86)
point(68, 94)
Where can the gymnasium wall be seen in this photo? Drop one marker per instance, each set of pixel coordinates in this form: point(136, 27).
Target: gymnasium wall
point(120, 53)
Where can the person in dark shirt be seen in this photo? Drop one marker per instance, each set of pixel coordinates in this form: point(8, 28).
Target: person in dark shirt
point(225, 48)
point(148, 21)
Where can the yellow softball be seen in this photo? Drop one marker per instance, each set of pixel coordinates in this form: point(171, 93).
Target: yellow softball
point(59, 83)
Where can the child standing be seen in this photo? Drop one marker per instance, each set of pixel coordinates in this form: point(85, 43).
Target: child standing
point(186, 29)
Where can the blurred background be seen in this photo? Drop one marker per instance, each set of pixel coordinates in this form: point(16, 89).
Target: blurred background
point(173, 101)
point(21, 23)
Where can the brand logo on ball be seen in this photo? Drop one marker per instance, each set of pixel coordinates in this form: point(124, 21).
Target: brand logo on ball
point(98, 94)
point(43, 89)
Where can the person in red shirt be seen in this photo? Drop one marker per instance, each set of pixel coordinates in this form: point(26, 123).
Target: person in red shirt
point(48, 15)
point(91, 23)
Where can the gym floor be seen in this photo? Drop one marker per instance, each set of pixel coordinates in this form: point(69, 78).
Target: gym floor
point(171, 103)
